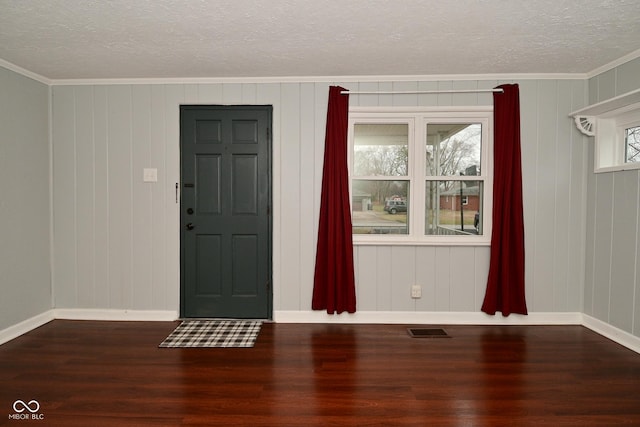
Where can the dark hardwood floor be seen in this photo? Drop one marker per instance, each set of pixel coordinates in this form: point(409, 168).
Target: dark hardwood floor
point(114, 374)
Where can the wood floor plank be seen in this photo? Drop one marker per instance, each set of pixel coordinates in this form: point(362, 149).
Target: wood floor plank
point(113, 374)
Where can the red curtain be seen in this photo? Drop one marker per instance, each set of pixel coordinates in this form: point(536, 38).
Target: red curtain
point(505, 284)
point(334, 283)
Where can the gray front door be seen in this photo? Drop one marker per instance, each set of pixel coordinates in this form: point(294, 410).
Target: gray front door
point(225, 218)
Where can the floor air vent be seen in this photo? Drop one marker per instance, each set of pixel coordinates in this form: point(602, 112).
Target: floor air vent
point(428, 333)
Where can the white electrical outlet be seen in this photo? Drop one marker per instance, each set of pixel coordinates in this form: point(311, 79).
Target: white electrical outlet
point(416, 291)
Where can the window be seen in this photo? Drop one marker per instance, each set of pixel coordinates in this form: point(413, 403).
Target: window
point(615, 124)
point(420, 176)
point(618, 141)
point(632, 144)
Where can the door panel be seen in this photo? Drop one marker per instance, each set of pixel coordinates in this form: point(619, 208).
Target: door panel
point(208, 180)
point(245, 265)
point(245, 185)
point(208, 254)
point(225, 211)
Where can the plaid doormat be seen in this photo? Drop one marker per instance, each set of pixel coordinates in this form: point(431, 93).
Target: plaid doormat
point(214, 333)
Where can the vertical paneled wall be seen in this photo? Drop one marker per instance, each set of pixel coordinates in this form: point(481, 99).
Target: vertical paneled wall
point(612, 278)
point(25, 278)
point(116, 237)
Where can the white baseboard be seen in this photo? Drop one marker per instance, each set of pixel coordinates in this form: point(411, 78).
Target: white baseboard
point(25, 326)
point(440, 318)
point(371, 317)
point(115, 315)
point(615, 334)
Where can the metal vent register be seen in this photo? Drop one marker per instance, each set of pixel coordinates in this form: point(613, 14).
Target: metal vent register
point(427, 333)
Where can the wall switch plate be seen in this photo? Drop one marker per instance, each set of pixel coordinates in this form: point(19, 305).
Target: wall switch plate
point(150, 175)
point(416, 291)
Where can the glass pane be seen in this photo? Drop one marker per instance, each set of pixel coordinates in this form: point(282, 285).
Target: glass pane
point(453, 208)
point(380, 207)
point(453, 149)
point(632, 142)
point(381, 149)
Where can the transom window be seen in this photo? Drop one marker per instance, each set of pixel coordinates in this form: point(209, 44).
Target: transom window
point(420, 176)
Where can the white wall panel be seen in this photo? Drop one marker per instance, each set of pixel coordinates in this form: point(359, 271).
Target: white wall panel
point(25, 275)
point(607, 85)
point(462, 283)
point(102, 287)
point(210, 94)
point(481, 265)
point(365, 100)
point(290, 206)
point(307, 138)
point(578, 211)
point(624, 257)
point(426, 277)
point(562, 206)
point(384, 278)
point(84, 210)
point(232, 93)
point(402, 265)
point(627, 76)
point(120, 196)
point(161, 198)
point(427, 99)
point(365, 257)
point(603, 245)
point(174, 96)
point(529, 129)
point(544, 256)
point(142, 201)
point(191, 94)
point(64, 201)
point(132, 237)
point(590, 239)
point(405, 99)
point(443, 278)
point(612, 273)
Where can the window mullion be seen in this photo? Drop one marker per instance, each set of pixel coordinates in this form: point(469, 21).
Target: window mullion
point(418, 179)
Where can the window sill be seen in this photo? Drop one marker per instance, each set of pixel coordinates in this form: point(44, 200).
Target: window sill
point(618, 168)
point(444, 241)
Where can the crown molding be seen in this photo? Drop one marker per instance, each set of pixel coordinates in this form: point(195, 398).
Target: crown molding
point(37, 77)
point(320, 79)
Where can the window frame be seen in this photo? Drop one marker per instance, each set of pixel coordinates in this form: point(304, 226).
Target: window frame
point(610, 143)
point(418, 119)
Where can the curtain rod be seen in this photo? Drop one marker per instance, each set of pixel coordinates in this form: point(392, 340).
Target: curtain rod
point(419, 92)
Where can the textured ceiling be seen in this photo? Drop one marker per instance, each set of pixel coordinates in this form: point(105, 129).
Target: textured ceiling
point(75, 39)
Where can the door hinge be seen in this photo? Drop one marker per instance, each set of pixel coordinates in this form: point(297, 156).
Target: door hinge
point(268, 285)
point(268, 133)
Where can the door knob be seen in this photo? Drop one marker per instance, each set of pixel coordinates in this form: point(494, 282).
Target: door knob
point(189, 226)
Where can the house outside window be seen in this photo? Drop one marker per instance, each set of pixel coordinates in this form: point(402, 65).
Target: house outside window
point(422, 176)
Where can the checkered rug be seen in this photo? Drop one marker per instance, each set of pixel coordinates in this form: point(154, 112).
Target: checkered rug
point(214, 333)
